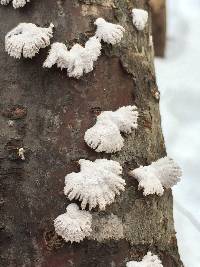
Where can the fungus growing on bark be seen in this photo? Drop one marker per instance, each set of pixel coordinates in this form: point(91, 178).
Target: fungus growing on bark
point(16, 3)
point(108, 32)
point(164, 173)
point(96, 184)
point(105, 135)
point(11, 123)
point(21, 152)
point(140, 18)
point(149, 260)
point(74, 225)
point(78, 60)
point(26, 39)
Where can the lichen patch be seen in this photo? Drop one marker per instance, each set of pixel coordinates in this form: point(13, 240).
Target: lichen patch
point(108, 227)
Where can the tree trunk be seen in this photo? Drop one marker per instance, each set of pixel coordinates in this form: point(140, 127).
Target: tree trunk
point(47, 114)
point(158, 8)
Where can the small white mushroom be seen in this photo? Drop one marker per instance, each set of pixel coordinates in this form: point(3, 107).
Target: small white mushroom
point(108, 32)
point(74, 225)
point(11, 123)
point(21, 152)
point(96, 184)
point(140, 18)
point(26, 40)
point(164, 173)
point(105, 135)
point(149, 260)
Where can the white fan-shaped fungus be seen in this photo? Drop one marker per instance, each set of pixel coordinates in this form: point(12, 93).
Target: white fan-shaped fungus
point(96, 184)
point(78, 60)
point(149, 260)
point(26, 39)
point(74, 225)
point(108, 32)
point(105, 134)
point(16, 3)
point(125, 118)
point(140, 18)
point(58, 54)
point(161, 174)
point(5, 2)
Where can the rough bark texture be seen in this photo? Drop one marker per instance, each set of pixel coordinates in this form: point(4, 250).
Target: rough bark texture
point(47, 113)
point(158, 8)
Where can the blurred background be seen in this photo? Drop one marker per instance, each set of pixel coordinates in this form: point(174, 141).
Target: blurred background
point(178, 76)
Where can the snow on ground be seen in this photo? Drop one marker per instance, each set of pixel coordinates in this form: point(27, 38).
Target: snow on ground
point(179, 83)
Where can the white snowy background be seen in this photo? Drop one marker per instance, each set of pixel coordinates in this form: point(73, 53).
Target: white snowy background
point(179, 83)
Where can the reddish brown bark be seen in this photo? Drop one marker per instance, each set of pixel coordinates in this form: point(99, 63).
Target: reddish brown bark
point(158, 8)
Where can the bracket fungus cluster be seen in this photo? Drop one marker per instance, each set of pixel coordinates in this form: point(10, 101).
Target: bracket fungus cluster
point(149, 260)
point(79, 60)
point(105, 135)
point(164, 173)
point(96, 184)
point(26, 39)
point(15, 3)
point(140, 18)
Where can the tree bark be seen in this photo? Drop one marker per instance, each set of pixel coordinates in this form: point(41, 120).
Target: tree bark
point(47, 114)
point(158, 8)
